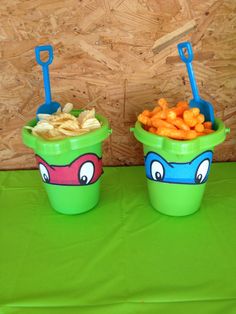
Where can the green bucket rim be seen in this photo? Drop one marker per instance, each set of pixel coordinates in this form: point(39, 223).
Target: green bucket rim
point(181, 147)
point(69, 143)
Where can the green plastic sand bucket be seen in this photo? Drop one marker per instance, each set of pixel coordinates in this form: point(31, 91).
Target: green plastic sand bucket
point(177, 171)
point(70, 168)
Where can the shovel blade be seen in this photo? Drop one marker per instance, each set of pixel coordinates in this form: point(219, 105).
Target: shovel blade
point(48, 108)
point(205, 107)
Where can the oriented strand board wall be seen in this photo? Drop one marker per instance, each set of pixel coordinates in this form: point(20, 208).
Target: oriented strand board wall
point(104, 56)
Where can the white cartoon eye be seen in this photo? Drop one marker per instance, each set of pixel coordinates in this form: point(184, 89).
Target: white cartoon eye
point(202, 171)
point(157, 171)
point(86, 172)
point(44, 173)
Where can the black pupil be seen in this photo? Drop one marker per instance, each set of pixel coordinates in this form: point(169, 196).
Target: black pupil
point(199, 178)
point(45, 177)
point(83, 180)
point(158, 176)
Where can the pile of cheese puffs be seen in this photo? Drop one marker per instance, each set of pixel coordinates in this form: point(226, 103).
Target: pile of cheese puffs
point(179, 122)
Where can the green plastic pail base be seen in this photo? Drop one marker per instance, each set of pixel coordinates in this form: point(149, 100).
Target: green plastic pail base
point(175, 199)
point(71, 200)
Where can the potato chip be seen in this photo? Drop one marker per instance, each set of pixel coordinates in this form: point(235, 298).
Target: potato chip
point(69, 125)
point(43, 116)
point(73, 132)
point(91, 124)
point(43, 127)
point(58, 110)
point(85, 115)
point(53, 135)
point(67, 108)
point(62, 117)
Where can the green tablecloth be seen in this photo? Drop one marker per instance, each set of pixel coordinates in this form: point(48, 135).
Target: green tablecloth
point(122, 257)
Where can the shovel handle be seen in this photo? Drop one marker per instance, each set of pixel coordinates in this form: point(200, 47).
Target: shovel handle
point(46, 48)
point(185, 45)
point(187, 59)
point(45, 64)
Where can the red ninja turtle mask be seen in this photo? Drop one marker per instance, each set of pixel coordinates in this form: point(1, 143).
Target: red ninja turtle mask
point(84, 170)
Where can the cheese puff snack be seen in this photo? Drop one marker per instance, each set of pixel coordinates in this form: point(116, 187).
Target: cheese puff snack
point(179, 122)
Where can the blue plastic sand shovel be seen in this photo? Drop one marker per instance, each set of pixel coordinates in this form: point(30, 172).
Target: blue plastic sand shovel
point(205, 107)
point(50, 106)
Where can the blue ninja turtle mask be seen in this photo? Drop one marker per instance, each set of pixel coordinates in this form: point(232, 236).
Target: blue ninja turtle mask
point(194, 172)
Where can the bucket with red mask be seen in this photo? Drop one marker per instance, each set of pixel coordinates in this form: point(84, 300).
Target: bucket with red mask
point(70, 168)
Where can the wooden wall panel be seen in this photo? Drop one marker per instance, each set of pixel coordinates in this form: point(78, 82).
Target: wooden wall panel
point(118, 56)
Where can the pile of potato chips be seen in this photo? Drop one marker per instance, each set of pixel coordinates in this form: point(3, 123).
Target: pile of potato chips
point(62, 124)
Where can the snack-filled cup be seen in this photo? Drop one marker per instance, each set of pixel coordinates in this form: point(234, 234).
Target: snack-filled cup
point(70, 168)
point(177, 171)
